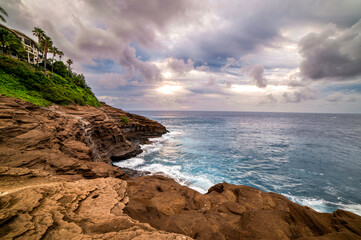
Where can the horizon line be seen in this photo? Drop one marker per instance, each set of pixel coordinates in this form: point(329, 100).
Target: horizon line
point(128, 110)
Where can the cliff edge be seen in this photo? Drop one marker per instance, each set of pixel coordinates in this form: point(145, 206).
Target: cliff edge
point(57, 182)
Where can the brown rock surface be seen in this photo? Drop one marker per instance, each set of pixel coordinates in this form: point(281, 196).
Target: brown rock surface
point(35, 205)
point(55, 178)
point(72, 140)
point(232, 212)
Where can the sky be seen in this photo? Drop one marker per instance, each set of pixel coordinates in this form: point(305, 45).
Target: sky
point(213, 55)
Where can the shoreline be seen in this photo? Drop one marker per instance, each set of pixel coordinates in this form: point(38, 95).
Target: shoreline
point(317, 204)
point(58, 182)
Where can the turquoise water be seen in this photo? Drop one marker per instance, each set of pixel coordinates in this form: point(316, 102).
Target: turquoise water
point(313, 159)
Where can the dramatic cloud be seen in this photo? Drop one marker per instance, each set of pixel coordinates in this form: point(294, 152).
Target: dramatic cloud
point(87, 30)
point(256, 72)
point(332, 53)
point(134, 65)
point(237, 28)
point(207, 54)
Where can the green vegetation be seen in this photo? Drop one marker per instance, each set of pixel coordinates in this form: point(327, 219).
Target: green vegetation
point(54, 50)
point(124, 119)
point(9, 43)
point(27, 82)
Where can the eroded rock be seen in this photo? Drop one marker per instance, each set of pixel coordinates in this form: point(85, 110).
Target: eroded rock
point(76, 141)
point(232, 212)
point(45, 207)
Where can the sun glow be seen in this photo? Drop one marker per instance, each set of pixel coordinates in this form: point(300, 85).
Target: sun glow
point(168, 89)
point(167, 75)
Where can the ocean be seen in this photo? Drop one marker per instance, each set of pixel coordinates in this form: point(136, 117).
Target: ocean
point(312, 159)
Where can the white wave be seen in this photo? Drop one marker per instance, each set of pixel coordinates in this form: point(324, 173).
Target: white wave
point(157, 168)
point(322, 205)
point(150, 148)
point(319, 205)
point(154, 146)
point(174, 133)
point(198, 183)
point(130, 163)
point(354, 208)
point(201, 184)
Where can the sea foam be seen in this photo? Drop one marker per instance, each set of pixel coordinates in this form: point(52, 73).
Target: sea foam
point(313, 159)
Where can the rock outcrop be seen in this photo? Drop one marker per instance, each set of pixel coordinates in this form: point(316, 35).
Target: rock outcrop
point(57, 182)
point(37, 205)
point(232, 212)
point(73, 141)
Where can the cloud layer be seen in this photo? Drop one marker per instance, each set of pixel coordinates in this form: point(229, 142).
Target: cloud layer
point(332, 53)
point(257, 55)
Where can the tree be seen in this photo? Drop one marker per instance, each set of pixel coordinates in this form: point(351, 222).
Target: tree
point(69, 62)
point(39, 33)
point(3, 12)
point(54, 50)
point(60, 54)
point(61, 69)
point(46, 43)
point(10, 43)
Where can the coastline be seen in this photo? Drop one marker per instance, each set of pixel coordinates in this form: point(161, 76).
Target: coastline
point(57, 176)
point(155, 161)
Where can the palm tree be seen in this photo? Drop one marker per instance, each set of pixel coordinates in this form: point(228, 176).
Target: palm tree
point(69, 62)
point(46, 43)
point(60, 54)
point(38, 32)
point(54, 50)
point(3, 12)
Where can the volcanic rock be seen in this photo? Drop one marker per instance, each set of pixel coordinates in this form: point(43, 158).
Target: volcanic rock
point(74, 141)
point(232, 212)
point(39, 206)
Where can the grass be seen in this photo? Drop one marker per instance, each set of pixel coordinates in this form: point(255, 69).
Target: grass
point(124, 120)
point(22, 80)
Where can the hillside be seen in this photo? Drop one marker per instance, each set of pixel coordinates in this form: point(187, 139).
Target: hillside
point(27, 82)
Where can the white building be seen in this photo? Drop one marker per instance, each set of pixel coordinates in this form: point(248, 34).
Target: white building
point(29, 44)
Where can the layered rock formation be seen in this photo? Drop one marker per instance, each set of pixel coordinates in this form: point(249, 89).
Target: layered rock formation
point(70, 140)
point(57, 182)
point(36, 205)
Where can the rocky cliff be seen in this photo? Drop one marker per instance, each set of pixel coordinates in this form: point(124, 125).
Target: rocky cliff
point(57, 182)
point(70, 140)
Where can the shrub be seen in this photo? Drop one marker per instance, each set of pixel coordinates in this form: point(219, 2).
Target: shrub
point(124, 119)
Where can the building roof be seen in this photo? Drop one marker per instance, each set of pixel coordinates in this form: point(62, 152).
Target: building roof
point(20, 33)
point(16, 32)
